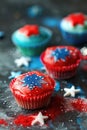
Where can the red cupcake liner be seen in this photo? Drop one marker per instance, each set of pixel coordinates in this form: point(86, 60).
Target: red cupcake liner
point(61, 75)
point(57, 72)
point(33, 102)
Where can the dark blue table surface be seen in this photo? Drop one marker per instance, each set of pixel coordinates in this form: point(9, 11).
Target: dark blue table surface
point(13, 15)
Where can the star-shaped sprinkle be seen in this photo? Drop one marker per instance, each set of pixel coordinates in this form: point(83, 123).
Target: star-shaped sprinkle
point(60, 53)
point(2, 34)
point(39, 119)
point(29, 30)
point(33, 80)
point(84, 51)
point(23, 61)
point(71, 91)
point(14, 74)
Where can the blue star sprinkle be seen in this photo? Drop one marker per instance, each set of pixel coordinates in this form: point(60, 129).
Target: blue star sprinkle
point(14, 74)
point(60, 54)
point(2, 34)
point(33, 80)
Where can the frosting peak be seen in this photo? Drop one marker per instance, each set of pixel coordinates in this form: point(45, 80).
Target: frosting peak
point(78, 18)
point(29, 30)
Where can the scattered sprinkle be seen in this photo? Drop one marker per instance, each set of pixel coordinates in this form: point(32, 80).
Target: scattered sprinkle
point(71, 91)
point(23, 120)
point(57, 106)
point(23, 61)
point(84, 51)
point(39, 119)
point(3, 122)
point(80, 104)
point(14, 74)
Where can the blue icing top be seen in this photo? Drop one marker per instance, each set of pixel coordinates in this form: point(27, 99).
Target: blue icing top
point(60, 54)
point(20, 39)
point(33, 80)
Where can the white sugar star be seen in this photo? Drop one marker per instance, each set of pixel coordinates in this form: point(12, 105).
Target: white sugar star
point(39, 119)
point(71, 91)
point(84, 51)
point(22, 61)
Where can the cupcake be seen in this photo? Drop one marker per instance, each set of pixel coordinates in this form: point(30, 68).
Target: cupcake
point(74, 28)
point(31, 40)
point(32, 90)
point(61, 62)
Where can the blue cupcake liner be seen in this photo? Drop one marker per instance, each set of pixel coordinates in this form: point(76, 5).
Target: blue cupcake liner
point(74, 38)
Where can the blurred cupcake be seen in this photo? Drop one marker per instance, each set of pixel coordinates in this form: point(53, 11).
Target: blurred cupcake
point(32, 90)
point(61, 62)
point(31, 40)
point(74, 28)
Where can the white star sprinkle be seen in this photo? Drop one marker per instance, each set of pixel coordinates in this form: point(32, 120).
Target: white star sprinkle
point(71, 91)
point(84, 51)
point(22, 61)
point(39, 119)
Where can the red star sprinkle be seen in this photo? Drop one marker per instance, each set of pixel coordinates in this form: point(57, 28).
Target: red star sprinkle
point(29, 30)
point(76, 19)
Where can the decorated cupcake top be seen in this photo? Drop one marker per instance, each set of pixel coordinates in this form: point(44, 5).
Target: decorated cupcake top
point(76, 22)
point(31, 35)
point(29, 30)
point(32, 83)
point(59, 53)
point(60, 56)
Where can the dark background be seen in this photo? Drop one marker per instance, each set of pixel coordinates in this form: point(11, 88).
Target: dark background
point(13, 15)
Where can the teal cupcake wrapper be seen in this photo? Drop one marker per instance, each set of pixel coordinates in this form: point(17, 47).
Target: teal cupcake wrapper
point(31, 51)
point(76, 38)
point(33, 41)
